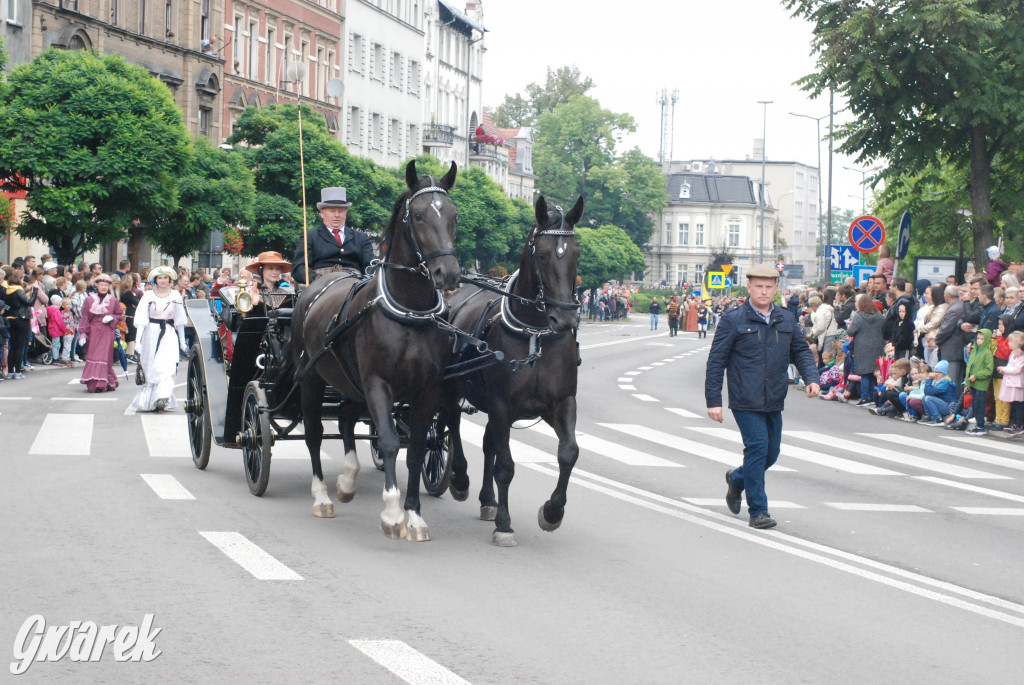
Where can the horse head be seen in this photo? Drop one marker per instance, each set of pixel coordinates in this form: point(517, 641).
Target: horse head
point(425, 236)
point(550, 258)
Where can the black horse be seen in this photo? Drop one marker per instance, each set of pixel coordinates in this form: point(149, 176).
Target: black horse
point(376, 342)
point(534, 324)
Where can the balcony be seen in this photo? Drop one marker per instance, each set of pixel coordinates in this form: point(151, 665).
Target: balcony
point(438, 135)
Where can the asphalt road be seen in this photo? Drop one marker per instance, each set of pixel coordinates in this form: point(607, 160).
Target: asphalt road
point(896, 559)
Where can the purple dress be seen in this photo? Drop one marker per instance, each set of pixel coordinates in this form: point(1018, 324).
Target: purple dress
point(98, 374)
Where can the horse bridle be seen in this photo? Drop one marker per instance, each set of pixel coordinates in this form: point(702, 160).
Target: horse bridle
point(561, 232)
point(435, 204)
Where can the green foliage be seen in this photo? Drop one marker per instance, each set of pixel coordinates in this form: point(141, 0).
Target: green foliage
point(271, 135)
point(575, 155)
point(929, 83)
point(96, 142)
point(560, 85)
point(277, 226)
point(215, 192)
point(606, 253)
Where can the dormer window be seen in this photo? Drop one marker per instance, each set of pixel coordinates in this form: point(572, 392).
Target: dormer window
point(684, 191)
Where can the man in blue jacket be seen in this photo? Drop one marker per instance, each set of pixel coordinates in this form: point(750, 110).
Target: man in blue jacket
point(754, 344)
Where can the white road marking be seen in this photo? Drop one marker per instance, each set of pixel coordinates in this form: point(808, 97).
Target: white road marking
point(607, 448)
point(166, 486)
point(858, 506)
point(64, 434)
point(629, 388)
point(669, 359)
point(521, 452)
point(249, 556)
point(645, 398)
point(632, 373)
point(624, 380)
point(875, 452)
point(166, 435)
point(972, 488)
point(794, 452)
point(682, 412)
point(991, 511)
point(618, 342)
point(73, 381)
point(999, 445)
point(697, 449)
point(720, 501)
point(13, 398)
point(180, 385)
point(661, 344)
point(83, 399)
point(788, 544)
point(406, 663)
point(657, 363)
point(962, 452)
point(645, 368)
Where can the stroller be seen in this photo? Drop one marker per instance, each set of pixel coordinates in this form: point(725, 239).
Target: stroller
point(41, 348)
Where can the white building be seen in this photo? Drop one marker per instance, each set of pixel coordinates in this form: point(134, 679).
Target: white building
point(706, 212)
point(384, 75)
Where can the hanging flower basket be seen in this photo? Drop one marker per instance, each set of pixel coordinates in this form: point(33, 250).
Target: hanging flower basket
point(498, 272)
point(7, 217)
point(233, 242)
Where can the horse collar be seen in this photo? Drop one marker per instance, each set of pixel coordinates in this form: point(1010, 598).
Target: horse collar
point(509, 320)
point(395, 310)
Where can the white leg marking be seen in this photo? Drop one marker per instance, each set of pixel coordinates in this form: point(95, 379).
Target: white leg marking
point(322, 506)
point(347, 479)
point(392, 514)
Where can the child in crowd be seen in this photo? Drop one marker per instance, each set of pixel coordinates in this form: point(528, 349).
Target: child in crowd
point(830, 377)
point(887, 399)
point(71, 331)
point(913, 396)
point(1012, 390)
point(980, 366)
point(1001, 352)
point(55, 328)
point(931, 349)
point(940, 396)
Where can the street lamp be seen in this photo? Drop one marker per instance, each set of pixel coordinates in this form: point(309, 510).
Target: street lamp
point(821, 241)
point(764, 158)
point(863, 185)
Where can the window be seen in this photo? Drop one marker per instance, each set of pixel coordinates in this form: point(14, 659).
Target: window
point(168, 16)
point(286, 58)
point(375, 131)
point(396, 70)
point(395, 137)
point(321, 74)
point(355, 53)
point(681, 274)
point(668, 234)
point(355, 126)
point(204, 120)
point(734, 235)
point(303, 58)
point(236, 52)
point(204, 22)
point(142, 17)
point(12, 11)
point(668, 273)
point(698, 273)
point(411, 143)
point(271, 68)
point(698, 237)
point(115, 12)
point(684, 234)
point(798, 209)
point(799, 179)
point(254, 50)
point(414, 77)
point(377, 65)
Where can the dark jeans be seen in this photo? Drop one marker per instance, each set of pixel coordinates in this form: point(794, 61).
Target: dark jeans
point(762, 440)
point(20, 329)
point(1017, 414)
point(978, 406)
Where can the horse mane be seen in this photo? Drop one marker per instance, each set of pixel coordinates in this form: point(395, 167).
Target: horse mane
point(399, 208)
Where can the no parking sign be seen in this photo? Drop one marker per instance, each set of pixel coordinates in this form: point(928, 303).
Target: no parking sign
point(866, 234)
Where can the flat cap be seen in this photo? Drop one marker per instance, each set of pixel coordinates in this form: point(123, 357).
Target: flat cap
point(763, 271)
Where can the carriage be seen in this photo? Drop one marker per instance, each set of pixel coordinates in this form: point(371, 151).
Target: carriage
point(238, 394)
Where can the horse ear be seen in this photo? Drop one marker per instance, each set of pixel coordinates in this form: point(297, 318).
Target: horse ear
point(541, 211)
point(576, 213)
point(411, 178)
point(448, 182)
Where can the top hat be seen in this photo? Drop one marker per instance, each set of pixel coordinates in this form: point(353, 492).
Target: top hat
point(333, 197)
point(269, 259)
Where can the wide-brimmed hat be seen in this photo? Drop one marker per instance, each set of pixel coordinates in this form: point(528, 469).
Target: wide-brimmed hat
point(163, 271)
point(270, 259)
point(333, 197)
point(763, 270)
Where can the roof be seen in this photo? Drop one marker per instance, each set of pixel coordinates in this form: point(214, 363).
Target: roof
point(712, 189)
point(457, 19)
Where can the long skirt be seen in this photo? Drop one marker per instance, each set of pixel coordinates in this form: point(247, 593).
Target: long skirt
point(98, 374)
point(159, 365)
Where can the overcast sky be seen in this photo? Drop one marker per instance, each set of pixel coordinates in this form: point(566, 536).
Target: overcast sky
point(722, 55)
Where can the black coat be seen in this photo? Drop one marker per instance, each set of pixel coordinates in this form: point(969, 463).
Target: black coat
point(324, 250)
point(756, 356)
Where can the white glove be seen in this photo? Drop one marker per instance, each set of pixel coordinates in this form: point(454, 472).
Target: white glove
point(108, 318)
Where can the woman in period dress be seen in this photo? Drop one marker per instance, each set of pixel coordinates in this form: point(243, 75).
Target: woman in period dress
point(271, 292)
point(101, 312)
point(160, 325)
point(691, 315)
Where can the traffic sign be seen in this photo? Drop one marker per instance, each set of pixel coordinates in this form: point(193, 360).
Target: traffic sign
point(780, 265)
point(727, 269)
point(862, 273)
point(843, 257)
point(727, 283)
point(903, 241)
point(716, 279)
point(866, 233)
point(840, 276)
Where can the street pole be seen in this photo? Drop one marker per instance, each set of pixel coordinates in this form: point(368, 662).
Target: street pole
point(764, 158)
point(828, 227)
point(821, 237)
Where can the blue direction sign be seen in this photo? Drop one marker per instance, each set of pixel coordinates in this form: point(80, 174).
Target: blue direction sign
point(861, 273)
point(867, 234)
point(844, 257)
point(903, 242)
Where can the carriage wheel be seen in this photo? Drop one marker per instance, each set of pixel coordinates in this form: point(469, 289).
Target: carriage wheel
point(199, 428)
point(437, 462)
point(378, 460)
point(256, 439)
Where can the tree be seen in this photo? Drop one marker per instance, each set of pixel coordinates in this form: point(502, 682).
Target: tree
point(215, 192)
point(606, 253)
point(96, 142)
point(558, 88)
point(926, 81)
point(719, 258)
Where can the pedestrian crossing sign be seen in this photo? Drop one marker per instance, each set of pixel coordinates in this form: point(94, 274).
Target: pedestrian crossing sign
point(716, 279)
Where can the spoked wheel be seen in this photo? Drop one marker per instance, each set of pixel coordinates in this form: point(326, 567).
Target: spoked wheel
point(196, 411)
point(437, 462)
point(255, 439)
point(378, 460)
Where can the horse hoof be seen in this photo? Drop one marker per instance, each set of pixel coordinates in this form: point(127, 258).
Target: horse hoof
point(420, 534)
point(458, 495)
point(395, 531)
point(545, 524)
point(323, 511)
point(345, 496)
point(488, 513)
point(500, 539)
